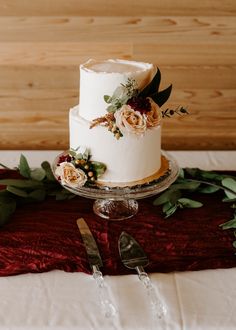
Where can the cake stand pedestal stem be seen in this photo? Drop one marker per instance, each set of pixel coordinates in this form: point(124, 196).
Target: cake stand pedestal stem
point(111, 209)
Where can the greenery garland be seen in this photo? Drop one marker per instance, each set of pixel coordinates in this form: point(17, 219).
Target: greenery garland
point(192, 180)
point(36, 184)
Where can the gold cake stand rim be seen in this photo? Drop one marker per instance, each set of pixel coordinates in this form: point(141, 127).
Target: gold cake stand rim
point(163, 170)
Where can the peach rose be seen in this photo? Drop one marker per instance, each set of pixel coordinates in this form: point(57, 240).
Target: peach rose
point(129, 120)
point(71, 176)
point(153, 116)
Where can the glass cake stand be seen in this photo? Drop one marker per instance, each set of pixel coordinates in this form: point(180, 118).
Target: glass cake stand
point(120, 203)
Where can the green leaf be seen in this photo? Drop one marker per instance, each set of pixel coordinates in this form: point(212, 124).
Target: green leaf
point(17, 191)
point(38, 174)
point(226, 199)
point(119, 92)
point(98, 167)
point(181, 173)
point(163, 198)
point(192, 171)
point(123, 100)
point(186, 185)
point(7, 208)
point(72, 152)
point(38, 195)
point(86, 154)
point(189, 203)
point(111, 109)
point(198, 173)
point(229, 224)
point(107, 98)
point(20, 183)
point(211, 175)
point(171, 211)
point(24, 167)
point(234, 244)
point(47, 168)
point(168, 196)
point(208, 189)
point(117, 104)
point(161, 97)
point(79, 156)
point(230, 184)
point(168, 208)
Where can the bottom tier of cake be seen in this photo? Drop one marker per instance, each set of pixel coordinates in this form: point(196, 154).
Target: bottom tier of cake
point(131, 158)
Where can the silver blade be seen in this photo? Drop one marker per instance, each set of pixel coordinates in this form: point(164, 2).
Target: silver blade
point(90, 244)
point(131, 253)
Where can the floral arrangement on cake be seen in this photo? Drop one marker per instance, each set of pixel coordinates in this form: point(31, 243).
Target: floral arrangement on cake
point(131, 110)
point(75, 169)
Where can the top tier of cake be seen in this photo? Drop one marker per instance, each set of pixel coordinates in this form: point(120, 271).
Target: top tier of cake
point(99, 78)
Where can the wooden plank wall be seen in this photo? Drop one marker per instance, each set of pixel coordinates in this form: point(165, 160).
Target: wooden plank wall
point(42, 43)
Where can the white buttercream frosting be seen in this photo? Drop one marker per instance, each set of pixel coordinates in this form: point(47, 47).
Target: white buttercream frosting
point(128, 159)
point(115, 66)
point(99, 78)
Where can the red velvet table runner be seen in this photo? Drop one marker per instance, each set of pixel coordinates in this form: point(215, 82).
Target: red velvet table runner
point(44, 236)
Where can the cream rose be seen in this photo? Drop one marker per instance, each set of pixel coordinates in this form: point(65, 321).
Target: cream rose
point(153, 116)
point(71, 176)
point(129, 120)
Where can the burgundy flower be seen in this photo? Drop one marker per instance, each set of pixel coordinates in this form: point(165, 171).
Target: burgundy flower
point(64, 158)
point(140, 104)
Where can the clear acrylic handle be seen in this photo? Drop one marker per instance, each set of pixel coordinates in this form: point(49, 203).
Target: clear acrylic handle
point(158, 307)
point(107, 306)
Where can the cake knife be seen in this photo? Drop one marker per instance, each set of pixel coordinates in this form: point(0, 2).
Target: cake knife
point(133, 256)
point(95, 262)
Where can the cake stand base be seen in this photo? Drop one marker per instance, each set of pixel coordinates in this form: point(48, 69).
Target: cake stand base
point(115, 209)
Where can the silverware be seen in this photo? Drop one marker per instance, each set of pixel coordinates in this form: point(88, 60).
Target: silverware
point(133, 257)
point(95, 262)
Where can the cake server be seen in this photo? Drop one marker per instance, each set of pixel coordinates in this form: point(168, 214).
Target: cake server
point(95, 262)
point(133, 256)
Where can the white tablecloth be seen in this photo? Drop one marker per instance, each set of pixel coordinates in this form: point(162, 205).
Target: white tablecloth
point(200, 300)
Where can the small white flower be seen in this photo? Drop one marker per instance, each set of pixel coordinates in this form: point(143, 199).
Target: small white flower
point(71, 176)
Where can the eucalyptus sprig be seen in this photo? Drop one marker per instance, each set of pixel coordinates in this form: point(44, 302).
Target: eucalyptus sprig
point(231, 223)
point(34, 185)
point(195, 180)
point(170, 112)
point(124, 92)
point(121, 95)
point(177, 196)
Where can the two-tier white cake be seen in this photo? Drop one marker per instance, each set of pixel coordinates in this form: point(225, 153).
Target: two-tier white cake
point(119, 127)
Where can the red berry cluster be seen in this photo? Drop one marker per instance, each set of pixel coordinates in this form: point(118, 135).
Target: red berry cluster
point(140, 104)
point(64, 158)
